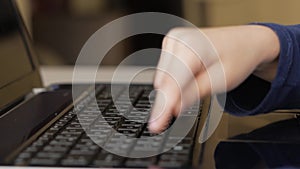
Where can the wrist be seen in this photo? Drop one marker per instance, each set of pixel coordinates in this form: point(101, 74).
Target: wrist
point(254, 47)
point(269, 51)
point(269, 44)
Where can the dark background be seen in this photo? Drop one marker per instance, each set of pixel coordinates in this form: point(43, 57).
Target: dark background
point(60, 29)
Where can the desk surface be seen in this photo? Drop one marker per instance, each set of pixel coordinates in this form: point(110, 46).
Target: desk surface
point(64, 74)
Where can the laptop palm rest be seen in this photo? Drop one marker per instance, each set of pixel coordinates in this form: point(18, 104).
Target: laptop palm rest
point(19, 124)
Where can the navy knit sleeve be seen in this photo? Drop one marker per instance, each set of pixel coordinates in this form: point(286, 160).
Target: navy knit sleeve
point(256, 96)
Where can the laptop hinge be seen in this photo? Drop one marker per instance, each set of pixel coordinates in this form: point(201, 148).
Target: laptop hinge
point(36, 91)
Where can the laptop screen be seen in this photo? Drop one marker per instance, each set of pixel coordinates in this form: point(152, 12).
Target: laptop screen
point(14, 57)
point(16, 64)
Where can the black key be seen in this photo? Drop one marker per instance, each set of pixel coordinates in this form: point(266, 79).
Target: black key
point(31, 149)
point(76, 160)
point(106, 159)
point(43, 161)
point(23, 158)
point(170, 164)
point(86, 141)
point(179, 148)
point(172, 141)
point(140, 162)
point(20, 161)
point(50, 155)
point(68, 137)
point(61, 149)
point(119, 141)
point(147, 146)
point(60, 143)
point(25, 155)
point(173, 159)
point(84, 149)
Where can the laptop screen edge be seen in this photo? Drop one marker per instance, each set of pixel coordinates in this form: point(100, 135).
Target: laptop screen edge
point(24, 85)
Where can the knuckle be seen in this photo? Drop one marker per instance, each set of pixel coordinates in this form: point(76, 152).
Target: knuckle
point(165, 41)
point(176, 31)
point(178, 36)
point(157, 84)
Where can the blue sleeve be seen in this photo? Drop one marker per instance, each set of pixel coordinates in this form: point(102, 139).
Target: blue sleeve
point(256, 96)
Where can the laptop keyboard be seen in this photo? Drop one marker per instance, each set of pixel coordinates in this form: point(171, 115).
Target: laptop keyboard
point(67, 142)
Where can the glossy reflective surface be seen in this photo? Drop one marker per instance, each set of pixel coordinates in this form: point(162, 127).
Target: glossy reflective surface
point(14, 57)
point(264, 141)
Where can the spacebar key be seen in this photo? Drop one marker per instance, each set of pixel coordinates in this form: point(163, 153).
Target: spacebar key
point(106, 159)
point(140, 162)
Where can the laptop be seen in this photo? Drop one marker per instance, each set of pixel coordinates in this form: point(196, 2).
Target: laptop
point(46, 128)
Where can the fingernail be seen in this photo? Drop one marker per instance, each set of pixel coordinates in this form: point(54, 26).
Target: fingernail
point(152, 125)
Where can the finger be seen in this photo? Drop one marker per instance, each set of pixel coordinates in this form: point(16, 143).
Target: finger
point(167, 104)
point(209, 81)
point(174, 79)
point(165, 57)
point(197, 88)
point(192, 49)
point(162, 110)
point(179, 71)
point(182, 66)
point(189, 96)
point(180, 44)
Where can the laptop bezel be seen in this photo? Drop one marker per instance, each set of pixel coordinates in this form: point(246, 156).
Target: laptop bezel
point(25, 84)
